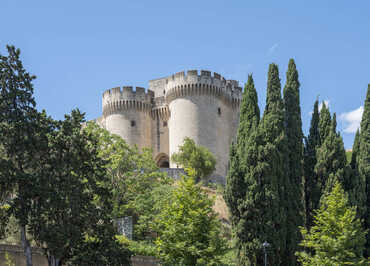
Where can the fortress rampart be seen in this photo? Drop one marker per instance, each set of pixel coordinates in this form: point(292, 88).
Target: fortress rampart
point(202, 106)
point(180, 84)
point(115, 100)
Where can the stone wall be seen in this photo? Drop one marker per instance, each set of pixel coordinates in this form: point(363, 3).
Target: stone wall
point(17, 256)
point(199, 105)
point(208, 121)
point(144, 261)
point(132, 126)
point(174, 173)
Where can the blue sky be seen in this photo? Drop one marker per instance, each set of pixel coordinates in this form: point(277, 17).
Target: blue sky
point(78, 49)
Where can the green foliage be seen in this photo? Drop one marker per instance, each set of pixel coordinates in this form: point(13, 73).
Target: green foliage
point(10, 230)
point(263, 166)
point(349, 156)
point(72, 200)
point(188, 228)
point(337, 236)
point(324, 122)
point(249, 119)
point(271, 176)
point(311, 186)
point(138, 247)
point(294, 134)
point(101, 247)
point(331, 160)
point(355, 183)
point(229, 258)
point(242, 192)
point(4, 219)
point(363, 160)
point(137, 187)
point(18, 138)
point(8, 260)
point(196, 157)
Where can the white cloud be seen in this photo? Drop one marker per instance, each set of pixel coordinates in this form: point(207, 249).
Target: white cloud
point(272, 49)
point(352, 119)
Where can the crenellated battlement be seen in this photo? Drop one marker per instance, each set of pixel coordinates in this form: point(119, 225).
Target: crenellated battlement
point(192, 76)
point(116, 99)
point(192, 83)
point(198, 104)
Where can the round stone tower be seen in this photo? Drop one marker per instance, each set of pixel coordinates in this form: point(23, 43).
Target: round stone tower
point(204, 108)
point(127, 113)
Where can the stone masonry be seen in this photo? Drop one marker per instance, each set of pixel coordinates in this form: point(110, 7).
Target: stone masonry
point(201, 106)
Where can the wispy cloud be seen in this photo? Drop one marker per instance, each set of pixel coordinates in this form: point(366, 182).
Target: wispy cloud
point(272, 49)
point(352, 119)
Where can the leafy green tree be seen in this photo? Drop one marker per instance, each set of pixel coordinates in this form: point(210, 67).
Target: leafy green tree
point(18, 129)
point(311, 188)
point(240, 178)
point(294, 134)
point(101, 248)
point(188, 228)
point(133, 178)
point(196, 157)
point(363, 160)
point(72, 201)
point(337, 236)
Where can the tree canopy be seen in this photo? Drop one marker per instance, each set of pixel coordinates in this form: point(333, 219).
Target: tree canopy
point(196, 157)
point(189, 229)
point(337, 236)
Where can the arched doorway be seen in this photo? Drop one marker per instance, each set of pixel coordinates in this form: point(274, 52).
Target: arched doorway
point(162, 160)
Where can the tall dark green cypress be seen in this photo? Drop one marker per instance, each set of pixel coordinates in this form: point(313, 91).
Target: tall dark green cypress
point(331, 159)
point(273, 167)
point(311, 190)
point(242, 155)
point(355, 151)
point(355, 184)
point(363, 161)
point(294, 134)
point(324, 122)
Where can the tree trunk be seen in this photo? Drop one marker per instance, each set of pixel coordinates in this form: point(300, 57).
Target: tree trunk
point(26, 246)
point(53, 261)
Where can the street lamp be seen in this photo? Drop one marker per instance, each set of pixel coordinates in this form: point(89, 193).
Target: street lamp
point(265, 245)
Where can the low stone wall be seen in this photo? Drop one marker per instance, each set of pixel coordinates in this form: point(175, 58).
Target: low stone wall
point(175, 173)
point(17, 257)
point(144, 261)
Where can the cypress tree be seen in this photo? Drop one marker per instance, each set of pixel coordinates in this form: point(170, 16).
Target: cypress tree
point(249, 114)
point(249, 119)
point(311, 190)
point(294, 134)
point(234, 185)
point(272, 167)
point(355, 184)
point(242, 156)
point(331, 159)
point(355, 151)
point(363, 161)
point(324, 122)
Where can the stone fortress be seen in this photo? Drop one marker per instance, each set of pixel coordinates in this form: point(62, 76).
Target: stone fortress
point(200, 106)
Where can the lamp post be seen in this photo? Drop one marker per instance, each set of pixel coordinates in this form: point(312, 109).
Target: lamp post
point(265, 245)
